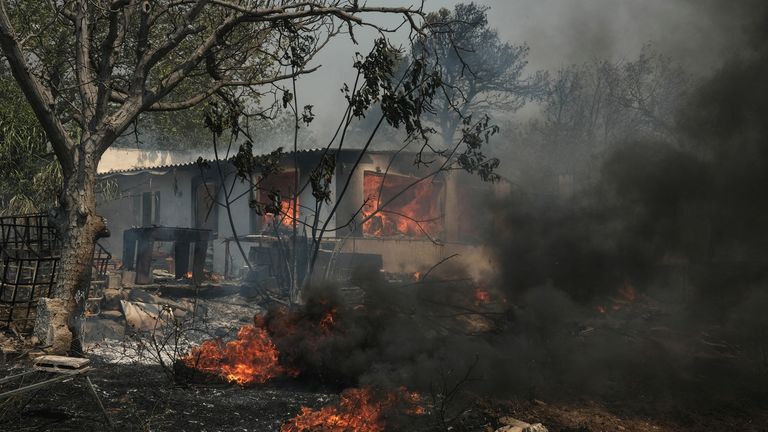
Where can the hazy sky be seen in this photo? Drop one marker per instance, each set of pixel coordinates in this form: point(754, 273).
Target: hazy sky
point(559, 32)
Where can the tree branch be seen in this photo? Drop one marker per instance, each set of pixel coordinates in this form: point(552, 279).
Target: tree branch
point(122, 97)
point(109, 45)
point(86, 86)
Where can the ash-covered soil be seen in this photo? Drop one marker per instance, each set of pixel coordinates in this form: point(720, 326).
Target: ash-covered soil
point(140, 394)
point(141, 398)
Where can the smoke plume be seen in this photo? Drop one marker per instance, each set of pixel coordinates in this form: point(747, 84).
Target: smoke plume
point(648, 285)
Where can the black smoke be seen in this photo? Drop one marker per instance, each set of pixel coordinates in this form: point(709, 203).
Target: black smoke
point(685, 223)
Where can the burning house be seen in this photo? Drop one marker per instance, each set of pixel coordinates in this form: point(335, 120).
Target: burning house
point(409, 216)
point(621, 284)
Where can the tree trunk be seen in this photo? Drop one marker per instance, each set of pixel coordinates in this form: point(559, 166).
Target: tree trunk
point(79, 227)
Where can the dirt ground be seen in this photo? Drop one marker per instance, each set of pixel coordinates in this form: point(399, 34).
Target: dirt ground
point(591, 416)
point(141, 398)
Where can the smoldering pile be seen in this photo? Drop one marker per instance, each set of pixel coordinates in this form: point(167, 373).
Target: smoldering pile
point(398, 337)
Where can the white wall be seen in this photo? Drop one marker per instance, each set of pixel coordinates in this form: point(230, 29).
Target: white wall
point(241, 219)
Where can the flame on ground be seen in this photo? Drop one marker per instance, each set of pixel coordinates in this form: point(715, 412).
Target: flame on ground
point(252, 358)
point(208, 276)
point(359, 410)
point(627, 296)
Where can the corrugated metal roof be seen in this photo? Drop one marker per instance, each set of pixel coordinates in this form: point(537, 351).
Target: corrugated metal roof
point(194, 162)
point(147, 168)
point(190, 163)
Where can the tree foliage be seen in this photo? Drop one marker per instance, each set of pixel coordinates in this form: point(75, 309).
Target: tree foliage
point(481, 74)
point(31, 177)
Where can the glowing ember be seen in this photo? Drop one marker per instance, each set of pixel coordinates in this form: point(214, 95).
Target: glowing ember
point(413, 210)
point(628, 292)
point(627, 296)
point(251, 358)
point(359, 410)
point(481, 296)
point(414, 401)
point(327, 322)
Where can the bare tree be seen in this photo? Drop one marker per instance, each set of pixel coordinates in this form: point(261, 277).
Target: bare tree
point(89, 68)
point(592, 107)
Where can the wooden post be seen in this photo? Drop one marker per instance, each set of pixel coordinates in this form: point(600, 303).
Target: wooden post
point(129, 249)
point(181, 256)
point(144, 260)
point(198, 261)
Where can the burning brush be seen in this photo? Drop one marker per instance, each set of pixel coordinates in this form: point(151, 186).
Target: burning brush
point(359, 409)
point(327, 341)
point(252, 358)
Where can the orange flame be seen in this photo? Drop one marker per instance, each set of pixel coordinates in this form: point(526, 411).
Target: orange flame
point(414, 212)
point(359, 410)
point(251, 358)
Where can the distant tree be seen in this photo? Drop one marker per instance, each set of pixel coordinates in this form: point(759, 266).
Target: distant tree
point(480, 72)
point(590, 108)
point(604, 101)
